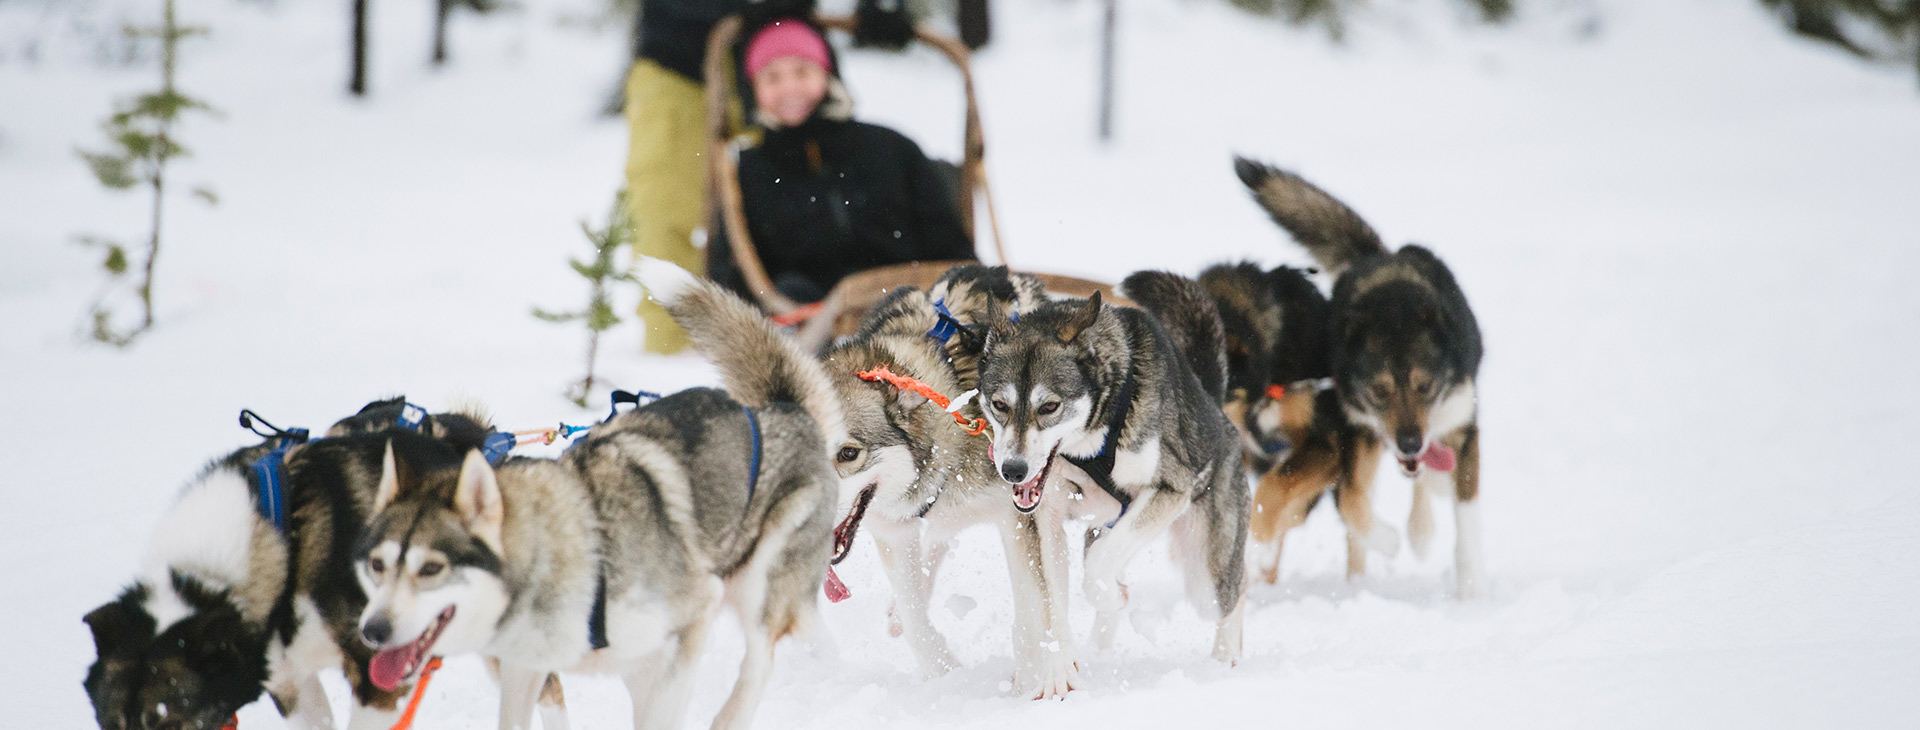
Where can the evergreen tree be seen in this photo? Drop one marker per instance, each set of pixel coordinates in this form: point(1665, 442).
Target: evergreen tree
point(141, 133)
point(600, 272)
point(1331, 13)
point(1881, 31)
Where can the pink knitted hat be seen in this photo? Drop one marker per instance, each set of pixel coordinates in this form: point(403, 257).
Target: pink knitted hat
point(783, 38)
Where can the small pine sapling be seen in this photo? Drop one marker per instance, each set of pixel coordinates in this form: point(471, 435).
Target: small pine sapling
point(601, 272)
point(142, 136)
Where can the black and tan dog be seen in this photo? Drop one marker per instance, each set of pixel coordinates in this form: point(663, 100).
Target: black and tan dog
point(247, 587)
point(1404, 352)
point(1276, 329)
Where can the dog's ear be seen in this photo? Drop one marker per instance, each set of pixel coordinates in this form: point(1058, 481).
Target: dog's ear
point(906, 400)
point(1080, 321)
point(997, 325)
point(973, 338)
point(118, 628)
point(477, 500)
point(389, 488)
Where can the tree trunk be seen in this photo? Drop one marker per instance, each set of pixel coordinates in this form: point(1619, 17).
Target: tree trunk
point(170, 38)
point(442, 9)
point(976, 23)
point(357, 82)
point(1107, 23)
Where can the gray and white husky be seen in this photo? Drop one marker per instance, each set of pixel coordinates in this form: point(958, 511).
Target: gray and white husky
point(1125, 405)
point(616, 556)
point(914, 478)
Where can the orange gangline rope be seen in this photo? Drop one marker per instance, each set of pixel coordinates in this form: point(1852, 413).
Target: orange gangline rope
point(880, 374)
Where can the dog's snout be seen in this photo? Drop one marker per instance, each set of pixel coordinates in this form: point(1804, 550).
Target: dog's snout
point(377, 631)
point(1014, 470)
point(156, 718)
point(1409, 442)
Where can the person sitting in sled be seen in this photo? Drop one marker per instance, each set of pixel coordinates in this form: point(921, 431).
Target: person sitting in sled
point(825, 196)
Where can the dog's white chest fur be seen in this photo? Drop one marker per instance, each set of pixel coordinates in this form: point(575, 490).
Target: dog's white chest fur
point(1137, 467)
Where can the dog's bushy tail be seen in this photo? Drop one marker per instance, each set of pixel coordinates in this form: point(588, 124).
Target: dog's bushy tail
point(758, 365)
point(1334, 234)
point(1190, 319)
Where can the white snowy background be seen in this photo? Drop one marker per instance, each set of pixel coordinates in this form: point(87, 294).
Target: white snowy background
point(1691, 242)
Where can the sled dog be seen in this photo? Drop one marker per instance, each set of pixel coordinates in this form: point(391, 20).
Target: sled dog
point(1126, 405)
point(615, 556)
point(1404, 354)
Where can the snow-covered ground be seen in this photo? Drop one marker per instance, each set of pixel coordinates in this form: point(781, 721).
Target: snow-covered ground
point(1690, 240)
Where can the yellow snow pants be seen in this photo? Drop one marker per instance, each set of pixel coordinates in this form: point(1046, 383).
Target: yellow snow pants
point(666, 181)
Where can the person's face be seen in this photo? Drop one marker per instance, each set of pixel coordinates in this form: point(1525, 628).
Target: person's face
point(789, 88)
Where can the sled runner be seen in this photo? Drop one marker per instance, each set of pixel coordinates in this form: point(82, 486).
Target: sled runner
point(843, 307)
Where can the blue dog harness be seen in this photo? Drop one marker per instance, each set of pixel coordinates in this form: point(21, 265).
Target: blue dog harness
point(947, 327)
point(944, 329)
point(270, 471)
point(1099, 467)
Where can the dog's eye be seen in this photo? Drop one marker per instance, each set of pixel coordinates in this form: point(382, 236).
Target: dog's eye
point(999, 405)
point(376, 566)
point(1380, 392)
point(847, 454)
point(1424, 388)
point(1048, 408)
point(431, 569)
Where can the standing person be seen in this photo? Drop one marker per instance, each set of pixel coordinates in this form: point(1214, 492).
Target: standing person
point(826, 196)
point(666, 157)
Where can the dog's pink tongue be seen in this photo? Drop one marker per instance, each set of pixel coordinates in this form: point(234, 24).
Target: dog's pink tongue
point(1438, 457)
point(389, 667)
point(836, 590)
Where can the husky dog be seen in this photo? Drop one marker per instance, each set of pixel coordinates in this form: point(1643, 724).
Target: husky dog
point(616, 556)
point(915, 478)
point(1130, 403)
point(463, 428)
point(230, 603)
point(1405, 353)
point(1275, 324)
point(1278, 395)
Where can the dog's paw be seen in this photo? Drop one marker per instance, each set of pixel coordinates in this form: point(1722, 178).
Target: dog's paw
point(1106, 629)
point(1046, 672)
point(934, 658)
point(1420, 525)
point(1469, 585)
point(1106, 595)
point(1383, 539)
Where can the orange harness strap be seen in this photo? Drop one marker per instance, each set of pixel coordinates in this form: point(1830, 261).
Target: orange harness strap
point(406, 716)
point(419, 690)
point(800, 314)
point(880, 374)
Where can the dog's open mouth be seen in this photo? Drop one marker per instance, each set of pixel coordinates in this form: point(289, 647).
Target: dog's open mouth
point(844, 533)
point(1437, 456)
point(395, 665)
point(1026, 495)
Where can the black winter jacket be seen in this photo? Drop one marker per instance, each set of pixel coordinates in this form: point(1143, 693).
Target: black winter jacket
point(673, 33)
point(829, 198)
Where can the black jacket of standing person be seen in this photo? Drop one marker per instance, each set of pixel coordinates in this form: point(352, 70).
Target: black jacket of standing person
point(673, 33)
point(831, 196)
